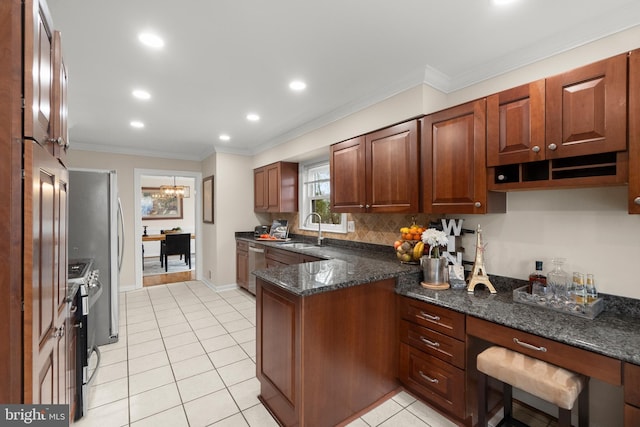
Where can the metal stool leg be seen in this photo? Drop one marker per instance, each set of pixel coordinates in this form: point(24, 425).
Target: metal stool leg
point(583, 406)
point(482, 400)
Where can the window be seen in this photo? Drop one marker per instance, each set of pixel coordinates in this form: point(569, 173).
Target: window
point(315, 197)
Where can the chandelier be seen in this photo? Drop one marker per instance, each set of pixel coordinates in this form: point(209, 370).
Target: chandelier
point(174, 190)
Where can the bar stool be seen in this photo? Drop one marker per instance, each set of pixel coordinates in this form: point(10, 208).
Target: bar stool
point(536, 377)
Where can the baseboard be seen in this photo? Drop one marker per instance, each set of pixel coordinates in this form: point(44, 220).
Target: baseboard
point(219, 288)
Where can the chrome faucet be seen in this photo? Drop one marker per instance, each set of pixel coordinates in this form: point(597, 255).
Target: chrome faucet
point(319, 225)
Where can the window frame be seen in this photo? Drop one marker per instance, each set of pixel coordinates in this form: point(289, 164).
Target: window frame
point(304, 208)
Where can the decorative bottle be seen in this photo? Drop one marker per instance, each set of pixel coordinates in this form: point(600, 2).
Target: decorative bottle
point(558, 279)
point(537, 276)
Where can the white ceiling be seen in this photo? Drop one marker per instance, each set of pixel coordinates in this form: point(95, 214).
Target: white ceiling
point(225, 58)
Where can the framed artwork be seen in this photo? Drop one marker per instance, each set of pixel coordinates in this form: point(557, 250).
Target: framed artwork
point(207, 199)
point(156, 205)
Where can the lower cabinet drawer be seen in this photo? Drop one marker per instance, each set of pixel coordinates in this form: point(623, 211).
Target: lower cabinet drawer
point(631, 416)
point(632, 384)
point(434, 343)
point(436, 381)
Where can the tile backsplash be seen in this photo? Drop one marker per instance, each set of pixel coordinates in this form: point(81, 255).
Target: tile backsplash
point(381, 229)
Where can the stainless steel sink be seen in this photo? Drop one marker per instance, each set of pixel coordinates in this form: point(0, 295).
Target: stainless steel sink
point(298, 245)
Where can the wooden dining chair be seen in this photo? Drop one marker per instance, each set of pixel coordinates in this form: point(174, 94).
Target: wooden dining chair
point(175, 244)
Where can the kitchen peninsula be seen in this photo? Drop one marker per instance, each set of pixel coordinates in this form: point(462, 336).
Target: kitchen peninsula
point(329, 337)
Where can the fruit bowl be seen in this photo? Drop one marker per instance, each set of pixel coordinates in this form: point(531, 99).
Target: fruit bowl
point(409, 248)
point(409, 251)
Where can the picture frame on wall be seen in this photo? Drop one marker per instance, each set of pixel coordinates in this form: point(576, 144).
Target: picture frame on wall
point(156, 205)
point(207, 200)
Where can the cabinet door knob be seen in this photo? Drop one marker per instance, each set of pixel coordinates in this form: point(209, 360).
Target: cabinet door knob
point(368, 206)
point(501, 177)
point(361, 206)
point(636, 200)
point(552, 146)
point(57, 140)
point(477, 204)
point(535, 149)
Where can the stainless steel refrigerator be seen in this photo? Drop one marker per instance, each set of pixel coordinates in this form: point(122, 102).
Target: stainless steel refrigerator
point(96, 232)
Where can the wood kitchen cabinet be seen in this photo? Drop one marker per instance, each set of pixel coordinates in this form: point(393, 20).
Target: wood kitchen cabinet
point(59, 139)
point(242, 264)
point(568, 130)
point(631, 395)
point(432, 354)
point(634, 132)
point(275, 188)
point(314, 354)
point(388, 160)
point(453, 162)
point(515, 125)
point(586, 109)
point(45, 308)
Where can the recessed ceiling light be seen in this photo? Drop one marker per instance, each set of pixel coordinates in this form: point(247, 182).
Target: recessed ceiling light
point(252, 117)
point(502, 2)
point(297, 85)
point(141, 94)
point(151, 40)
point(136, 124)
point(224, 137)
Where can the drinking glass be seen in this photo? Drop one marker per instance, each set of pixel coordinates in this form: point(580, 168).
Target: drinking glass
point(591, 291)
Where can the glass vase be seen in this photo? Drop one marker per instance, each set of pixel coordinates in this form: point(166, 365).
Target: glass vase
point(558, 280)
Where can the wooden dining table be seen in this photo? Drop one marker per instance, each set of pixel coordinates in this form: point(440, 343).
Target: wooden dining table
point(158, 237)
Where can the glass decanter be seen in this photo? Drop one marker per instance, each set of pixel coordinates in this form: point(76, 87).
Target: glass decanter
point(558, 279)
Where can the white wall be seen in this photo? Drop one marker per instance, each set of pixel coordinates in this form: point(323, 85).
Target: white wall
point(233, 212)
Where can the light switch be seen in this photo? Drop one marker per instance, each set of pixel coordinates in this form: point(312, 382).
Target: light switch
point(351, 226)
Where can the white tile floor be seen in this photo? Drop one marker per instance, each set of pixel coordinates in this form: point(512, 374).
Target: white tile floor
point(186, 357)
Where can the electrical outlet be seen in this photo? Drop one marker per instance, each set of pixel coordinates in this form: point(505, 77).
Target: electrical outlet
point(351, 226)
point(210, 274)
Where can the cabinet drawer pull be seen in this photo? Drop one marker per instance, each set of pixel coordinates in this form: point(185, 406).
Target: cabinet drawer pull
point(429, 342)
point(529, 346)
point(429, 317)
point(428, 378)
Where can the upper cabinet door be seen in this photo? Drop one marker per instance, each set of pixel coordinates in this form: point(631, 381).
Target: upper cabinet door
point(38, 72)
point(275, 188)
point(634, 132)
point(392, 169)
point(260, 189)
point(346, 162)
point(59, 138)
point(377, 172)
point(586, 109)
point(453, 152)
point(515, 125)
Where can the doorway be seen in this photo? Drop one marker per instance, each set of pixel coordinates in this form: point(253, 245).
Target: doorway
point(159, 214)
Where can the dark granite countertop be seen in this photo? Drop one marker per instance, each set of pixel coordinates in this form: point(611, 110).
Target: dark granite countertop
point(344, 264)
point(615, 332)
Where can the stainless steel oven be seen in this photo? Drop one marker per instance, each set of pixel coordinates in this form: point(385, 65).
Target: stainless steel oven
point(85, 289)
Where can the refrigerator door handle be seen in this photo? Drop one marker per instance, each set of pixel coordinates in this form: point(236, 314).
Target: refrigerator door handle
point(120, 235)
